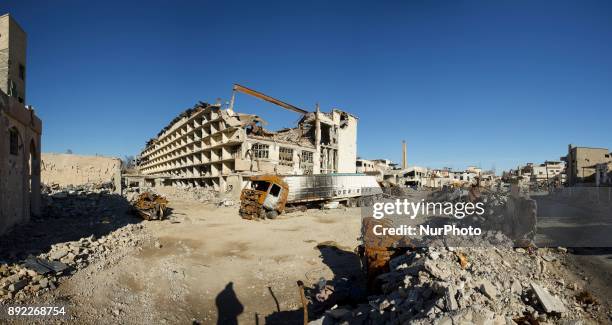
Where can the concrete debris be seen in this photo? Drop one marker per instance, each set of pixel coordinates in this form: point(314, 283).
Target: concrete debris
point(488, 289)
point(150, 206)
point(450, 302)
point(41, 266)
point(226, 203)
point(427, 285)
point(396, 191)
point(56, 191)
point(550, 303)
point(190, 193)
point(37, 273)
point(100, 219)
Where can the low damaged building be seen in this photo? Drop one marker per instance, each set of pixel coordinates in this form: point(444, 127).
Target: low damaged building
point(582, 164)
point(215, 147)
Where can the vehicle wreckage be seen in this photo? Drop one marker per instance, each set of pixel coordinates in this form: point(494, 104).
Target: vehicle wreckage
point(150, 206)
point(267, 196)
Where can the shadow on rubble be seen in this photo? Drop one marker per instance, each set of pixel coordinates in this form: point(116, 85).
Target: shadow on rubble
point(66, 218)
point(348, 286)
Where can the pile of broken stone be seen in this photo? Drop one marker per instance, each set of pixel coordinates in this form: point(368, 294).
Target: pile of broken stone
point(57, 191)
point(199, 194)
point(446, 285)
point(35, 269)
point(37, 274)
point(195, 193)
point(189, 193)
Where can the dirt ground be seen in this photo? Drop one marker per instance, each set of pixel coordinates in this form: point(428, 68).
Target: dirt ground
point(207, 265)
point(213, 264)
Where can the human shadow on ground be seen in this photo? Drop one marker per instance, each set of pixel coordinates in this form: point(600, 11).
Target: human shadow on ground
point(348, 282)
point(228, 306)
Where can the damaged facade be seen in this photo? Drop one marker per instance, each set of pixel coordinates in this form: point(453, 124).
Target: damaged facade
point(215, 147)
point(582, 164)
point(21, 131)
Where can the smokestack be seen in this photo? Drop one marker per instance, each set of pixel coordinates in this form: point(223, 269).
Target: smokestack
point(404, 159)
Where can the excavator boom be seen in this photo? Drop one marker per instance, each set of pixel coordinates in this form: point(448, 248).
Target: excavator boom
point(265, 97)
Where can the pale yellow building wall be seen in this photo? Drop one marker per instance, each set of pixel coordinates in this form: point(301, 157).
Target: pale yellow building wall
point(69, 169)
point(13, 41)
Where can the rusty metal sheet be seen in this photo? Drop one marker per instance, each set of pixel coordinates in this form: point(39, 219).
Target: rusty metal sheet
point(150, 206)
point(250, 205)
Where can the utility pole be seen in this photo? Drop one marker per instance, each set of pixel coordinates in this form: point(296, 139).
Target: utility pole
point(404, 159)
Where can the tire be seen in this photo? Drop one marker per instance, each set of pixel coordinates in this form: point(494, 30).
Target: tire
point(272, 214)
point(261, 214)
point(351, 203)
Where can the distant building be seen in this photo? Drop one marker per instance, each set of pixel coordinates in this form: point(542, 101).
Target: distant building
point(581, 163)
point(20, 129)
point(474, 170)
point(376, 167)
point(547, 171)
point(411, 176)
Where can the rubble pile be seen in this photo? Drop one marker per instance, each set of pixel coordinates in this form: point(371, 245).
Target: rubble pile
point(511, 215)
point(80, 226)
point(397, 191)
point(446, 285)
point(43, 272)
point(59, 191)
point(74, 201)
point(199, 194)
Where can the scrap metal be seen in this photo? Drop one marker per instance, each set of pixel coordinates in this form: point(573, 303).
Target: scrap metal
point(150, 206)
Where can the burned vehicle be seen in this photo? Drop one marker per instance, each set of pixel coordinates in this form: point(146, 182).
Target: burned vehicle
point(267, 196)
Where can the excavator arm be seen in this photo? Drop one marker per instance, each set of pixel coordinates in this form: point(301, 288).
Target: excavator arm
point(254, 93)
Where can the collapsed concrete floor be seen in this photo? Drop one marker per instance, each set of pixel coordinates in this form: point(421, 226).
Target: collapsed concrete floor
point(205, 264)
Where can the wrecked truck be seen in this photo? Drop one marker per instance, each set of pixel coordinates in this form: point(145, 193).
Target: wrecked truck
point(267, 196)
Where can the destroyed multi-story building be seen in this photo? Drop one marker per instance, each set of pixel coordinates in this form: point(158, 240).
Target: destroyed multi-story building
point(21, 130)
point(581, 163)
point(215, 147)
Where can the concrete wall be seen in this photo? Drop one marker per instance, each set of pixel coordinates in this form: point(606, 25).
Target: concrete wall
point(347, 143)
point(67, 169)
point(20, 170)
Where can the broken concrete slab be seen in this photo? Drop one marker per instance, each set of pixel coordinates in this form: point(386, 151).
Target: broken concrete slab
point(58, 254)
point(42, 266)
point(488, 289)
point(450, 303)
point(550, 303)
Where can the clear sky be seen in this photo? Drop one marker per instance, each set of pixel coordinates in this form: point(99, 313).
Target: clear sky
point(489, 83)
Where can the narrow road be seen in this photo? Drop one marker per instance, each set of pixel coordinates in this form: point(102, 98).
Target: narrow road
point(586, 230)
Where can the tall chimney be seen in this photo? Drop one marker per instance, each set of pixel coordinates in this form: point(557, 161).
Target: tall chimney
point(404, 159)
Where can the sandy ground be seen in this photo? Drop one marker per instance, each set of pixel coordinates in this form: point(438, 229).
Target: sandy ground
point(214, 264)
point(208, 265)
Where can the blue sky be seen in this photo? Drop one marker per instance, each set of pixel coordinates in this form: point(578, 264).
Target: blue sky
point(490, 83)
